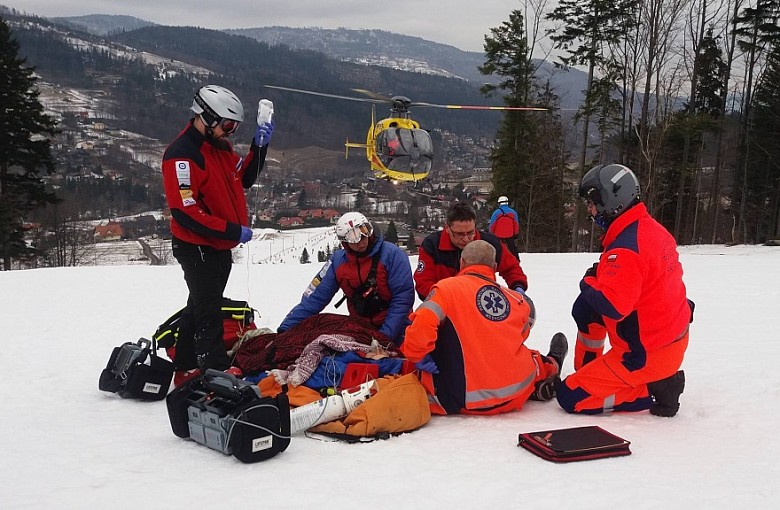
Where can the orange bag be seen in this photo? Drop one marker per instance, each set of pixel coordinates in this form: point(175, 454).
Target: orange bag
point(400, 405)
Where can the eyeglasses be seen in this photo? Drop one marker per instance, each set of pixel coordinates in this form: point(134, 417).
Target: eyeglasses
point(229, 126)
point(469, 234)
point(356, 233)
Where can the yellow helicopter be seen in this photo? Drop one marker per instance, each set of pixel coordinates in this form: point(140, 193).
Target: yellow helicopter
point(396, 147)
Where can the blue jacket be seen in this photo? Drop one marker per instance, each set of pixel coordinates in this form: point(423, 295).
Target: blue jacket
point(347, 271)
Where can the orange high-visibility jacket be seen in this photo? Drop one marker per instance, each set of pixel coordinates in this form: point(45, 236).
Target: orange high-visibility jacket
point(474, 329)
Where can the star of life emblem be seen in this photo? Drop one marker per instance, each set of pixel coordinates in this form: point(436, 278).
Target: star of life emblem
point(492, 303)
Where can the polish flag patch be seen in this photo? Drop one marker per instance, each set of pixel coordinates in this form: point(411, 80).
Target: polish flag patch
point(612, 258)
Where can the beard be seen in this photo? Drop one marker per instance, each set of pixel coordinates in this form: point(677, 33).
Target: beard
point(220, 143)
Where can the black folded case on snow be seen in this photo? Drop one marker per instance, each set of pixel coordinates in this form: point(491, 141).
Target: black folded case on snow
point(226, 414)
point(135, 371)
point(573, 444)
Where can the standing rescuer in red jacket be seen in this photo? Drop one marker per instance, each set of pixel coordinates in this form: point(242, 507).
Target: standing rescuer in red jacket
point(204, 183)
point(439, 255)
point(470, 334)
point(635, 295)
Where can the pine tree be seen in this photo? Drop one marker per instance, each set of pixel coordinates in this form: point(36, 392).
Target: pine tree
point(305, 256)
point(527, 158)
point(764, 166)
point(411, 245)
point(589, 29)
point(759, 30)
point(302, 198)
point(25, 150)
point(392, 233)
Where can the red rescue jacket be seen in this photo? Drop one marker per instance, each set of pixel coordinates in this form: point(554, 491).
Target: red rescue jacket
point(439, 259)
point(638, 288)
point(204, 187)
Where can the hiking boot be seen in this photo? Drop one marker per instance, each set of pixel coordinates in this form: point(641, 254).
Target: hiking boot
point(666, 394)
point(559, 347)
point(544, 390)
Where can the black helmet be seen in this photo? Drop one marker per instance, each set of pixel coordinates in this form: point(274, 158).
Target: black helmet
point(612, 189)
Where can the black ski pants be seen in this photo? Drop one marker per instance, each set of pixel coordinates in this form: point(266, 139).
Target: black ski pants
point(510, 244)
point(206, 271)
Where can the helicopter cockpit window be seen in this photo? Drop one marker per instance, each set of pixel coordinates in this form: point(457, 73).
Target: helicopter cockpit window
point(405, 150)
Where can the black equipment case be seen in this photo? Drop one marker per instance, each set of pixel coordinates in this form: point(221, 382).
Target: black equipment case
point(229, 415)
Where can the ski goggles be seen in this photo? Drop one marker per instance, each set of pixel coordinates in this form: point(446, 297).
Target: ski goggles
point(356, 233)
point(229, 126)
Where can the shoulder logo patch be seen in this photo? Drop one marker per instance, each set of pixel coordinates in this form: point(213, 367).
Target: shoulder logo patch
point(420, 266)
point(492, 303)
point(183, 173)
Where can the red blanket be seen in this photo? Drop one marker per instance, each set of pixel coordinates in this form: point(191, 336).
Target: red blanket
point(280, 350)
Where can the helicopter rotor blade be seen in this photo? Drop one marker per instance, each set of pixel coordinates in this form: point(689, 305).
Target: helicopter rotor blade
point(477, 107)
point(373, 95)
point(322, 94)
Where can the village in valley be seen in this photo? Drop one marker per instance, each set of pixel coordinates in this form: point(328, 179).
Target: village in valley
point(303, 188)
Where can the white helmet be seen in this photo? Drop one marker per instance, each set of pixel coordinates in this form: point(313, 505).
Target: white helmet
point(503, 200)
point(214, 104)
point(352, 226)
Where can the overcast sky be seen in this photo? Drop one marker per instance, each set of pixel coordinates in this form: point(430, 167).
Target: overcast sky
point(460, 23)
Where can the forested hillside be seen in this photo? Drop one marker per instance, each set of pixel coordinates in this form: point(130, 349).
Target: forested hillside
point(155, 107)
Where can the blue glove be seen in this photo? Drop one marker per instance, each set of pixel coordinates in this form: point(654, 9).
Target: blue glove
point(519, 289)
point(591, 271)
point(427, 365)
point(246, 235)
point(263, 133)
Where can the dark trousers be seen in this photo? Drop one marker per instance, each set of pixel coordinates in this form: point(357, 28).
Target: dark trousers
point(206, 272)
point(510, 244)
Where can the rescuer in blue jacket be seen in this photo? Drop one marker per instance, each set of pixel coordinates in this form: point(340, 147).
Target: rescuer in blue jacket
point(374, 275)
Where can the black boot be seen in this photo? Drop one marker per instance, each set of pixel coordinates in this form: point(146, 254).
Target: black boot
point(545, 389)
point(559, 347)
point(666, 394)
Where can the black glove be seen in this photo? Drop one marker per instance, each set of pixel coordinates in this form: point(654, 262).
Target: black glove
point(592, 270)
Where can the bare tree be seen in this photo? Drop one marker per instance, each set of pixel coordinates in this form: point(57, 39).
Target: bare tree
point(67, 240)
point(659, 34)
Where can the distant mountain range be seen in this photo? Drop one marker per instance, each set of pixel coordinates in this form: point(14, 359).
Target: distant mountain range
point(370, 47)
point(104, 24)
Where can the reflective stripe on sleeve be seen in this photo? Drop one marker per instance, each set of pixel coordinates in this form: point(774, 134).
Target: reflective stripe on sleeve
point(435, 308)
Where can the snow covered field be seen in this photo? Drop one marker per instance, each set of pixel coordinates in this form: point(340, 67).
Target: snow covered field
point(65, 444)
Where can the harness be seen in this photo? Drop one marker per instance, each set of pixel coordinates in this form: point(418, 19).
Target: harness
point(365, 298)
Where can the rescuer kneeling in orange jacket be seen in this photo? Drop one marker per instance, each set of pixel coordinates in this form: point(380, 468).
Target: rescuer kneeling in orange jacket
point(635, 296)
point(467, 339)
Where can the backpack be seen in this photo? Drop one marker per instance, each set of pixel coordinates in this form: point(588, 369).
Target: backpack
point(237, 318)
point(505, 226)
point(365, 298)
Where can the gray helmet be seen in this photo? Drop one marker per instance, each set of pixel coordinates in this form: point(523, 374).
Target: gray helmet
point(214, 103)
point(612, 189)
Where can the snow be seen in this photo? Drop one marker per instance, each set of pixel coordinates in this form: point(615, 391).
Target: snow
point(67, 445)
